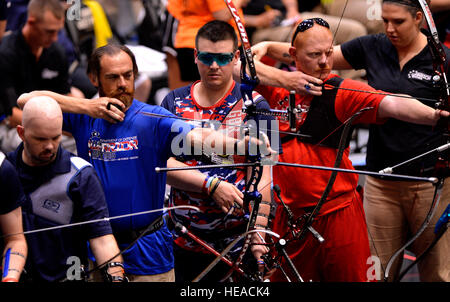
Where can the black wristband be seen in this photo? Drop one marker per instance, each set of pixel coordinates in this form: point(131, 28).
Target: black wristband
point(118, 279)
point(110, 278)
point(236, 147)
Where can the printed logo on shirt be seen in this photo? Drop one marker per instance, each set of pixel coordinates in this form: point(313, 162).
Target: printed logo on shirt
point(49, 74)
point(51, 205)
point(112, 149)
point(417, 75)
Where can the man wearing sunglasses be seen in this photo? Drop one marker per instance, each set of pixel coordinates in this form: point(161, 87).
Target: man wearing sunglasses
point(216, 97)
point(345, 254)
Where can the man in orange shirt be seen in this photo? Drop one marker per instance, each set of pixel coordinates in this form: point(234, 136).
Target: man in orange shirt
point(345, 253)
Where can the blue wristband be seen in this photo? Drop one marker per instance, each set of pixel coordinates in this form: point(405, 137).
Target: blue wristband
point(6, 267)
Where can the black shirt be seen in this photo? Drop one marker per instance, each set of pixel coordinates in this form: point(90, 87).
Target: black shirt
point(396, 141)
point(20, 72)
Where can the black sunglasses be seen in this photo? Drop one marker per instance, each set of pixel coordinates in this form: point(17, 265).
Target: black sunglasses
point(307, 24)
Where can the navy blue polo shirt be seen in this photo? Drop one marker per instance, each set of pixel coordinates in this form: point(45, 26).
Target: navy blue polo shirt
point(48, 251)
point(395, 141)
point(11, 191)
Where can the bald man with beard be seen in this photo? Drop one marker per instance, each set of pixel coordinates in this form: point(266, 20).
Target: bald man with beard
point(345, 254)
point(60, 189)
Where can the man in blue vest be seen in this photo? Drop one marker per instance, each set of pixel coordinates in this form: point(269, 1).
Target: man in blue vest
point(60, 189)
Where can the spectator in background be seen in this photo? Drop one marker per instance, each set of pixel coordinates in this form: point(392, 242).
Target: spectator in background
point(101, 24)
point(275, 20)
point(366, 12)
point(17, 17)
point(30, 59)
point(79, 38)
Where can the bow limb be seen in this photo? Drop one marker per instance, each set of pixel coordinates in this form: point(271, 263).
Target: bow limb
point(184, 231)
point(252, 197)
point(228, 248)
point(332, 179)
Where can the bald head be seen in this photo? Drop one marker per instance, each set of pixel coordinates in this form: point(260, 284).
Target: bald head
point(41, 110)
point(312, 51)
point(41, 130)
point(317, 33)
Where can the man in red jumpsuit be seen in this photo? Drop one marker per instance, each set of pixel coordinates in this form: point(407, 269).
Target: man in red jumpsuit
point(345, 254)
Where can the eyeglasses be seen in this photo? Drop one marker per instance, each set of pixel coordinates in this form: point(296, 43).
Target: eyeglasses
point(221, 59)
point(307, 24)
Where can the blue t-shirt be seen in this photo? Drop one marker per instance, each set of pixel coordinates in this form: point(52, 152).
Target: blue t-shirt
point(125, 156)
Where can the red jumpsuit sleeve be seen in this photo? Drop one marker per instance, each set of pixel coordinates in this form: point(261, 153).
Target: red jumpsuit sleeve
point(348, 102)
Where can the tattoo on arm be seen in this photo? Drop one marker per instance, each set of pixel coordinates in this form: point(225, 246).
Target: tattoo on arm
point(18, 254)
point(13, 270)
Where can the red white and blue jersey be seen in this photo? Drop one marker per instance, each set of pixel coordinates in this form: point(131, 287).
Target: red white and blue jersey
point(211, 221)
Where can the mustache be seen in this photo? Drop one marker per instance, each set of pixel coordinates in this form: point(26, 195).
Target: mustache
point(325, 68)
point(123, 91)
point(122, 96)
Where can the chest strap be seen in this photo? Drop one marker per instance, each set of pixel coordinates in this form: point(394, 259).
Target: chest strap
point(321, 119)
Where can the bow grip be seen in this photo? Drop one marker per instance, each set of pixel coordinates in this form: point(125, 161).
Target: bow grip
point(249, 197)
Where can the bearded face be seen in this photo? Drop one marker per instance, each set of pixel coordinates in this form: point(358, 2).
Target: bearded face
point(116, 78)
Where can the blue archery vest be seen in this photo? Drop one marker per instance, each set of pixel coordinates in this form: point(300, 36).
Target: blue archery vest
point(51, 200)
